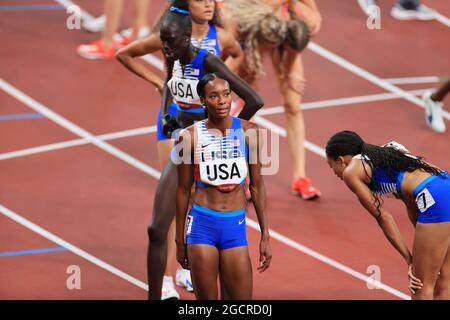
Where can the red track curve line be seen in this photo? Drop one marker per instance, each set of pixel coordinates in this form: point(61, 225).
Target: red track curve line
point(79, 252)
point(156, 174)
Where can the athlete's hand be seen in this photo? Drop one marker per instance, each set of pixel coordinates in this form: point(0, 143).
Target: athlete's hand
point(414, 283)
point(182, 256)
point(265, 254)
point(169, 124)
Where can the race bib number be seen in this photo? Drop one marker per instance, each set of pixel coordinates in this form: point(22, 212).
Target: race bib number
point(424, 200)
point(223, 171)
point(184, 90)
point(189, 221)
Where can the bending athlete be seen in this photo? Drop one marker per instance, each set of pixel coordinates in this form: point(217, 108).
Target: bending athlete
point(372, 172)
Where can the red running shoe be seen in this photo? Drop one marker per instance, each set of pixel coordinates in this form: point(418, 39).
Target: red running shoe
point(96, 50)
point(303, 188)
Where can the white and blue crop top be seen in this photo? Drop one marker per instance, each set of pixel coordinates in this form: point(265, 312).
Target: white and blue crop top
point(210, 42)
point(220, 162)
point(183, 84)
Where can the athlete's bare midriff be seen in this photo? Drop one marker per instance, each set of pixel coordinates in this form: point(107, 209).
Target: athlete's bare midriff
point(411, 180)
point(210, 197)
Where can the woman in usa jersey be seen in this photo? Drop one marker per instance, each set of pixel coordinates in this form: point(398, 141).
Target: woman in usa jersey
point(372, 172)
point(217, 154)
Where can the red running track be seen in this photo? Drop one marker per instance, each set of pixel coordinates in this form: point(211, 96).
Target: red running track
point(99, 204)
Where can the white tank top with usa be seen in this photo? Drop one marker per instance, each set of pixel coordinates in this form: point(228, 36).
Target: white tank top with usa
point(183, 84)
point(221, 162)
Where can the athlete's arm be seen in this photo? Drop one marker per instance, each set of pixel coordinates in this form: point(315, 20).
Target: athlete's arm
point(127, 56)
point(258, 192)
point(354, 178)
point(185, 181)
point(253, 102)
point(231, 51)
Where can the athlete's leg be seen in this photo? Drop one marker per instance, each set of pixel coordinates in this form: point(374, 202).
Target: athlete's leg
point(204, 263)
point(440, 94)
point(113, 12)
point(291, 82)
point(163, 215)
point(442, 289)
point(236, 273)
point(164, 149)
point(431, 242)
point(140, 17)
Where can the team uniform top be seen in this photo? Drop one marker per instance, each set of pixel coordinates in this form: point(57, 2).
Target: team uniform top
point(387, 185)
point(220, 161)
point(210, 42)
point(183, 84)
point(430, 196)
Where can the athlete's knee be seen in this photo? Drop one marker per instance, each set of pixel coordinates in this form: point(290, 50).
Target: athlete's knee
point(442, 288)
point(155, 234)
point(291, 109)
point(426, 293)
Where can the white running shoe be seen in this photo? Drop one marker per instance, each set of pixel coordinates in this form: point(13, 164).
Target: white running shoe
point(184, 279)
point(433, 113)
point(168, 291)
point(366, 6)
point(144, 32)
point(95, 25)
point(422, 12)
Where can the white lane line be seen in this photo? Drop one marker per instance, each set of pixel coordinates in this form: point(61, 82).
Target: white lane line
point(75, 142)
point(339, 102)
point(79, 252)
point(297, 246)
point(41, 149)
point(263, 112)
point(367, 75)
point(442, 19)
point(414, 80)
point(33, 104)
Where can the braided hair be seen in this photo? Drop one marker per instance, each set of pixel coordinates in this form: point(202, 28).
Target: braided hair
point(387, 158)
point(256, 22)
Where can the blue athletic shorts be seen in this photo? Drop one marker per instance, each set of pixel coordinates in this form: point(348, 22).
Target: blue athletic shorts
point(223, 230)
point(433, 199)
